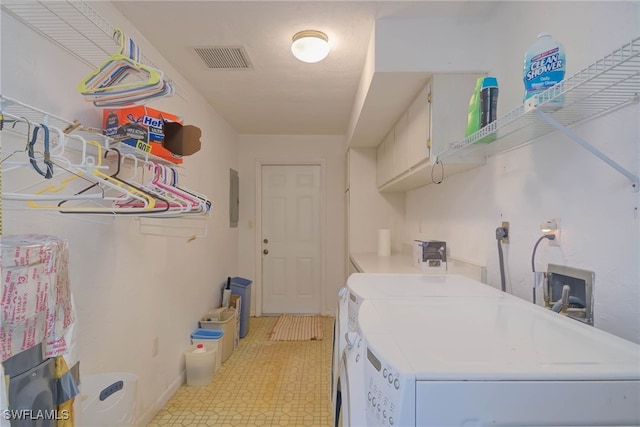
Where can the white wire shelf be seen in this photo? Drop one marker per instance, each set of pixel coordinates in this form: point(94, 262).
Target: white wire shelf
point(14, 109)
point(190, 226)
point(604, 86)
point(74, 26)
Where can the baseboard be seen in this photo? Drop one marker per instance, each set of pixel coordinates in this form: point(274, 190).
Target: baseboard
point(161, 401)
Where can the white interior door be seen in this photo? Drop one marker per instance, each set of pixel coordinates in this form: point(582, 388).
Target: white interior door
point(291, 239)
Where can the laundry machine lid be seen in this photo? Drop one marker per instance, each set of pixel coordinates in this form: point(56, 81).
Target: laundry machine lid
point(485, 339)
point(389, 286)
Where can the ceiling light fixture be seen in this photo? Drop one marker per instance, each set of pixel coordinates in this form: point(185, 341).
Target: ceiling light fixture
point(310, 46)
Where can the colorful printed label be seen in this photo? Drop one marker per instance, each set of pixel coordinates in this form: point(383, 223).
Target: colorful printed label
point(143, 146)
point(545, 63)
point(543, 71)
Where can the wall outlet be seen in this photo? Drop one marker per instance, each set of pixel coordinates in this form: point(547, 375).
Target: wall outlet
point(155, 348)
point(505, 225)
point(554, 224)
point(556, 241)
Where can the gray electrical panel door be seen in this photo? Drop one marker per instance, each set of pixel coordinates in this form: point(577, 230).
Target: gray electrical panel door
point(234, 198)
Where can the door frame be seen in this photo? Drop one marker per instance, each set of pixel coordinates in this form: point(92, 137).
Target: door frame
point(258, 221)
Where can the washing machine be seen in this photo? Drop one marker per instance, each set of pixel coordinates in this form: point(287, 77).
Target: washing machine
point(32, 388)
point(489, 362)
point(365, 286)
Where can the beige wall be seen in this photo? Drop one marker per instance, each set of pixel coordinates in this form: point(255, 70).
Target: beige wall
point(129, 288)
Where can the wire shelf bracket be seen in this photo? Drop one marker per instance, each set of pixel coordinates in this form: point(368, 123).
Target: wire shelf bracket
point(593, 150)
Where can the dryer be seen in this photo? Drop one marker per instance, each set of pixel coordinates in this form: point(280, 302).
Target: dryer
point(365, 286)
point(488, 362)
point(32, 388)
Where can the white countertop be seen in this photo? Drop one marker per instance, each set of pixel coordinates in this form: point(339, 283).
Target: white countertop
point(372, 263)
point(369, 262)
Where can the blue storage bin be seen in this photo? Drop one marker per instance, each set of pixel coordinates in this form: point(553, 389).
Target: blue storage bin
point(242, 287)
point(206, 334)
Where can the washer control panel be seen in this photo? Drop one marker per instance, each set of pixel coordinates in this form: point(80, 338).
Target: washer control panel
point(384, 391)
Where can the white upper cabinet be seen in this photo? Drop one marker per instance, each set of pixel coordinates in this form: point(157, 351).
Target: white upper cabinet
point(401, 146)
point(437, 115)
point(419, 124)
point(384, 159)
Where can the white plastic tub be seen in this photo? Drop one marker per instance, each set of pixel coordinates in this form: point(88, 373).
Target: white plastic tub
point(108, 400)
point(226, 324)
point(211, 339)
point(200, 366)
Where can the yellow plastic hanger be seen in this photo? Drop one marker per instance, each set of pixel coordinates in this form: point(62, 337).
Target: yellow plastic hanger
point(107, 78)
point(123, 189)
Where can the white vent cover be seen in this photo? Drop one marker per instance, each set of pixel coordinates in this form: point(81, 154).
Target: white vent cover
point(224, 57)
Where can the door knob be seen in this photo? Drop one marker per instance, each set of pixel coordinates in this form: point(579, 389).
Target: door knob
point(266, 241)
point(266, 251)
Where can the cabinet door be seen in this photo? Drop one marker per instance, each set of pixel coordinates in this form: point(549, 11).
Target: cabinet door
point(450, 97)
point(384, 159)
point(380, 164)
point(400, 147)
point(389, 154)
point(419, 127)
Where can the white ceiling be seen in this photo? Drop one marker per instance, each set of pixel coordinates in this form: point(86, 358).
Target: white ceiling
point(279, 95)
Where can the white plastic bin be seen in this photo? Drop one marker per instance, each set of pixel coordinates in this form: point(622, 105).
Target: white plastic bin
point(211, 339)
point(200, 366)
point(226, 324)
point(108, 400)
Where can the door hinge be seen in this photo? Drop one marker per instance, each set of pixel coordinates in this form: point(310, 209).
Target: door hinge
point(429, 97)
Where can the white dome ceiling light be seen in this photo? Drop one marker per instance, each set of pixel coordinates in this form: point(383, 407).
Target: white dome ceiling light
point(310, 46)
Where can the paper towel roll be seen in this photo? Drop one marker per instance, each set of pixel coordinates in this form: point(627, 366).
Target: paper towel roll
point(384, 242)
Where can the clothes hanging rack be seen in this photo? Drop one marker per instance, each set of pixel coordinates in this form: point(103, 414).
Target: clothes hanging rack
point(14, 108)
point(74, 26)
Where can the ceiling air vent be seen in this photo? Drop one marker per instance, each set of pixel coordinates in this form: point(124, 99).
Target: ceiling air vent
point(224, 57)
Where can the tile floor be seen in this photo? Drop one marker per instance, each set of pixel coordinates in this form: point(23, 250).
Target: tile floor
point(263, 383)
